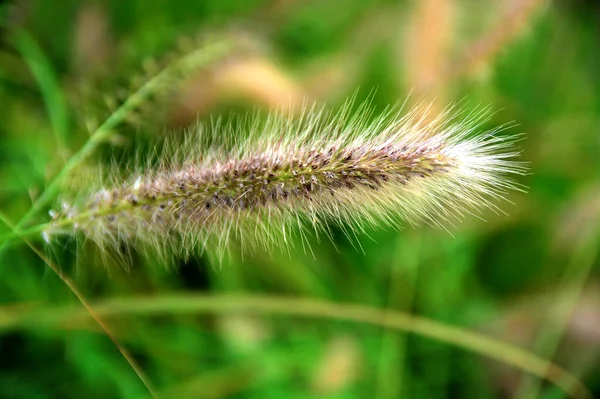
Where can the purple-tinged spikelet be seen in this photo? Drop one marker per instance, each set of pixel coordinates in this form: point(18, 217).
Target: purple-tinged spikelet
point(283, 175)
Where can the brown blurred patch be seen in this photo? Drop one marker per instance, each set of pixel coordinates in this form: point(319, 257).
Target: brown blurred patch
point(428, 40)
point(254, 78)
point(92, 42)
point(339, 366)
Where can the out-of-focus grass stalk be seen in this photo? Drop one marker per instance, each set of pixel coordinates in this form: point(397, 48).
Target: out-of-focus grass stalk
point(574, 278)
point(393, 346)
point(37, 316)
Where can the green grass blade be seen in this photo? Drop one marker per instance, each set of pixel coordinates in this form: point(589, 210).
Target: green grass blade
point(43, 73)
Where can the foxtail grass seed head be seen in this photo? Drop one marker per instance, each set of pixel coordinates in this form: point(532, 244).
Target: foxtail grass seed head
point(260, 184)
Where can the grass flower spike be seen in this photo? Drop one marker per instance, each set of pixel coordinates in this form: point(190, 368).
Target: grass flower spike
point(261, 183)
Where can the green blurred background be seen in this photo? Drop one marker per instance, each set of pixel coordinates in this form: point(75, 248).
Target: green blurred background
point(529, 278)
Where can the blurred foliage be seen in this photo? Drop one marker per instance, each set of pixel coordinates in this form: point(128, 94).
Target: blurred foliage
point(529, 277)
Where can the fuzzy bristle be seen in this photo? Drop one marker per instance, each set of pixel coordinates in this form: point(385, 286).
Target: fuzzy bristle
point(285, 174)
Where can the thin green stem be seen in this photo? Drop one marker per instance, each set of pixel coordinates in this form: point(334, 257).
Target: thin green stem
point(25, 233)
point(90, 311)
point(192, 60)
